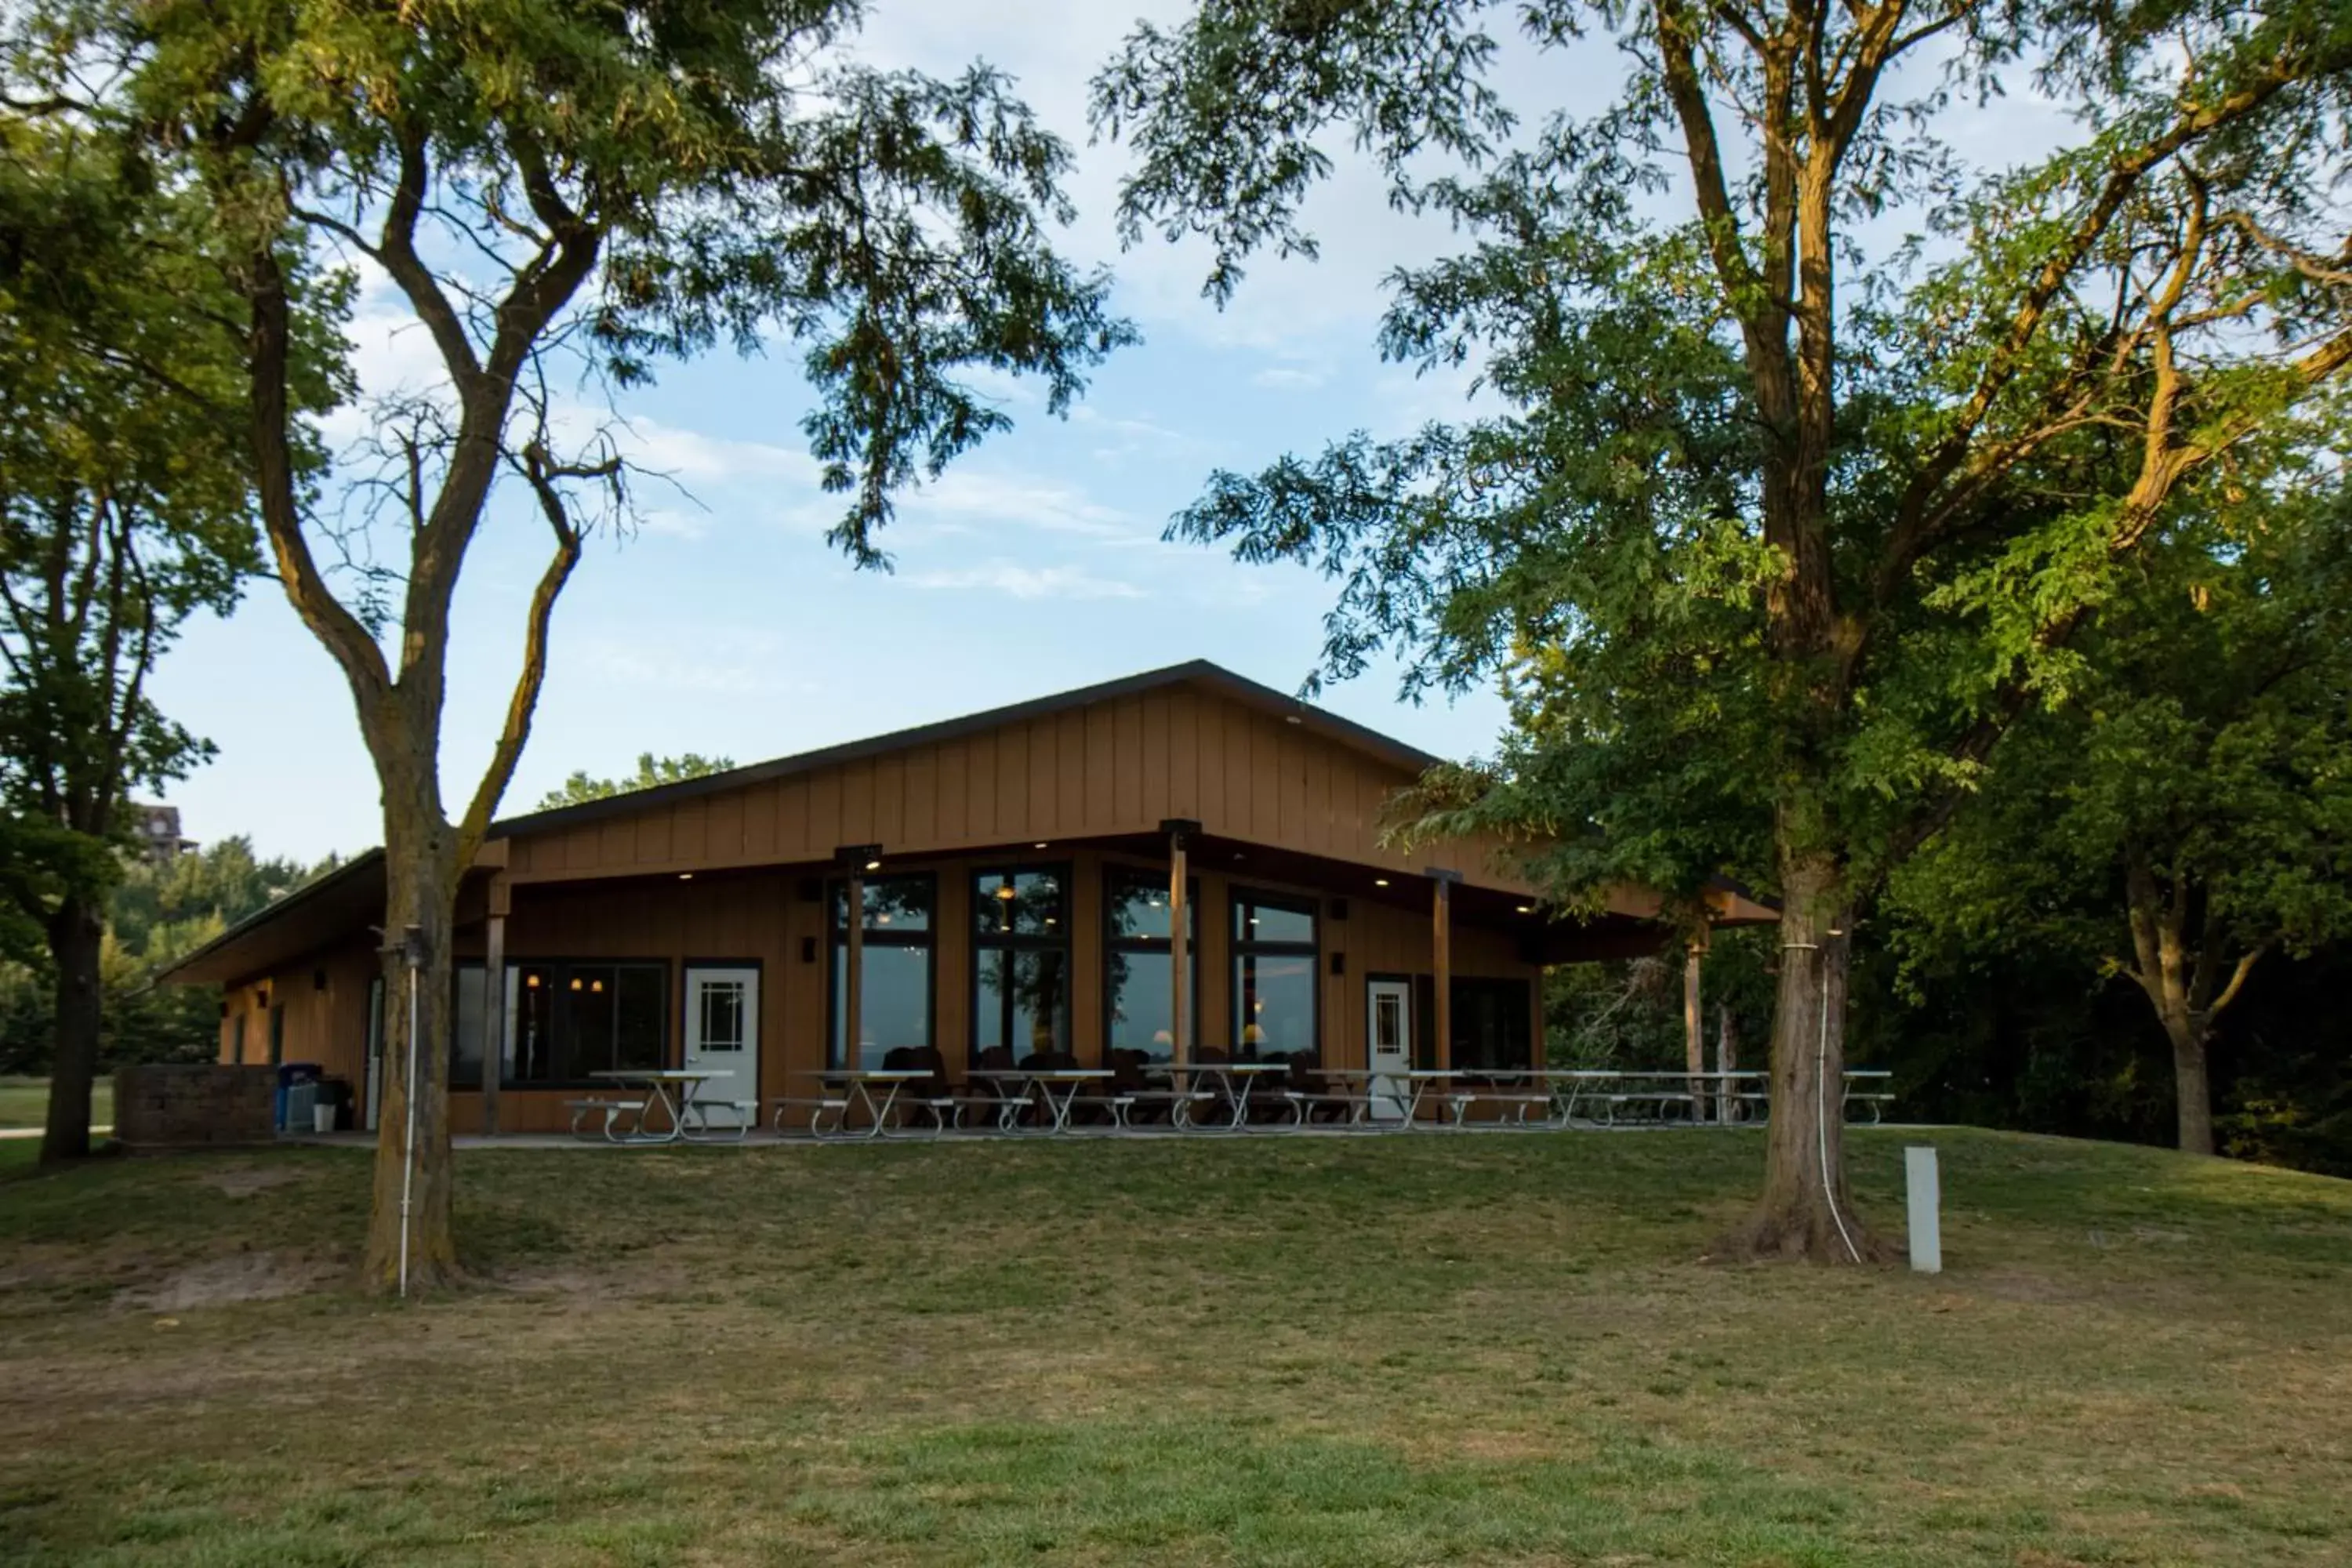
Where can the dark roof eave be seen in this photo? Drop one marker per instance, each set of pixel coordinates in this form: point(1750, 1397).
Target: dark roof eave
point(308, 892)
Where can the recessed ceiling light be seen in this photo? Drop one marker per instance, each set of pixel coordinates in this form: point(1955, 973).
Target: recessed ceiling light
point(1038, 845)
point(874, 865)
point(1379, 881)
point(686, 876)
point(1527, 909)
point(1292, 719)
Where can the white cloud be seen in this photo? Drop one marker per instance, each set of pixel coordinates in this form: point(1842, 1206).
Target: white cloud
point(1028, 582)
point(963, 497)
point(1286, 378)
point(727, 661)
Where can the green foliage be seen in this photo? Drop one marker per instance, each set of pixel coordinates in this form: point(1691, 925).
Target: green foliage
point(1627, 1013)
point(652, 772)
point(126, 506)
point(1771, 528)
point(156, 914)
point(700, 175)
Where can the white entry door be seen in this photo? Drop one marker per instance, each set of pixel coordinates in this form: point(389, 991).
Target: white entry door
point(722, 1037)
point(1389, 1048)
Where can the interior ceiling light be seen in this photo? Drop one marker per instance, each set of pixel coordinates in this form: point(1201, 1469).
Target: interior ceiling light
point(874, 865)
point(1039, 846)
point(1379, 881)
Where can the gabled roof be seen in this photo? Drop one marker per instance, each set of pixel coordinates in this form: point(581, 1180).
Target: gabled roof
point(1196, 672)
point(345, 897)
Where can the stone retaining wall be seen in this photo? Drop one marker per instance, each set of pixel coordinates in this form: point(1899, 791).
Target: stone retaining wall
point(194, 1105)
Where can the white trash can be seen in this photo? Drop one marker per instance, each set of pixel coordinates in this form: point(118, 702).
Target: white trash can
point(322, 1118)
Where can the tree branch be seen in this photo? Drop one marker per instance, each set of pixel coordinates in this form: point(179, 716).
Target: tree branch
point(542, 474)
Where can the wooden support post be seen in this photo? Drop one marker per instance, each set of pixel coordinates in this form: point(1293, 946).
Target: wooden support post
point(1694, 1030)
point(1726, 1060)
point(852, 982)
point(1180, 831)
point(1178, 952)
point(494, 1006)
point(856, 861)
point(1440, 959)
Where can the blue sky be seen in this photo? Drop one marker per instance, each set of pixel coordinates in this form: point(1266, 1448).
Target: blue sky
point(726, 626)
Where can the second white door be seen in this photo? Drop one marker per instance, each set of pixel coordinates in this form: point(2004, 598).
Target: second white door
point(1388, 1047)
point(722, 1037)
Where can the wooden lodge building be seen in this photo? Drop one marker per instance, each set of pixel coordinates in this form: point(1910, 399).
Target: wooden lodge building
point(1035, 878)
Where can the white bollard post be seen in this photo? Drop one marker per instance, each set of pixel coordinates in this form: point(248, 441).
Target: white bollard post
point(1925, 1193)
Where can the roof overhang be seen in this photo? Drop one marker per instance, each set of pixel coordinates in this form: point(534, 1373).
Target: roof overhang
point(348, 898)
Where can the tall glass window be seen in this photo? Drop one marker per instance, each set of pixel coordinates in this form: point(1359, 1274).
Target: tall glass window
point(563, 1021)
point(894, 997)
point(1275, 985)
point(1493, 1024)
point(1021, 961)
point(1136, 957)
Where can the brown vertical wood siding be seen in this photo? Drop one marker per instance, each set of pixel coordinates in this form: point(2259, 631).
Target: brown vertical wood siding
point(1109, 768)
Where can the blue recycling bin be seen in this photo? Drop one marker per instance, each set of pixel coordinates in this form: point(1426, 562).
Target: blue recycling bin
point(298, 1090)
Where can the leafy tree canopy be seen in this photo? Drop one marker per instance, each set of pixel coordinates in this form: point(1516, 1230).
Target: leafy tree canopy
point(1804, 448)
point(652, 771)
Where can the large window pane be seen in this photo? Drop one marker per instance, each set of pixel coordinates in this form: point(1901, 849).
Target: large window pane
point(1142, 1008)
point(1275, 962)
point(894, 1002)
point(1140, 909)
point(1275, 998)
point(900, 904)
point(1018, 903)
point(466, 1028)
point(1493, 1026)
point(1258, 918)
point(530, 1040)
point(585, 1008)
point(1024, 1000)
point(638, 1035)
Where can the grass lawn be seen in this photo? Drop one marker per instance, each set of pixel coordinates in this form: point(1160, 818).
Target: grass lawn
point(24, 1102)
point(1491, 1350)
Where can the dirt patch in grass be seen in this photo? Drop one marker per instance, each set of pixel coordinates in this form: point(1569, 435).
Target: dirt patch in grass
point(244, 1180)
point(226, 1281)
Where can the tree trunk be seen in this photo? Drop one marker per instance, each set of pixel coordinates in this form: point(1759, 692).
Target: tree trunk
point(2191, 1085)
point(76, 931)
point(420, 887)
point(1806, 1211)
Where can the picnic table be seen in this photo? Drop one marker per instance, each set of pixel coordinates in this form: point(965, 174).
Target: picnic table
point(1038, 1086)
point(845, 1092)
point(1233, 1079)
point(631, 1121)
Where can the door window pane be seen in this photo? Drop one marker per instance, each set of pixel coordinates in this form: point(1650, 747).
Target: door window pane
point(720, 1024)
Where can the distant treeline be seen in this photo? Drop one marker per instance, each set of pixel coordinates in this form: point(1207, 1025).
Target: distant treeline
point(158, 913)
